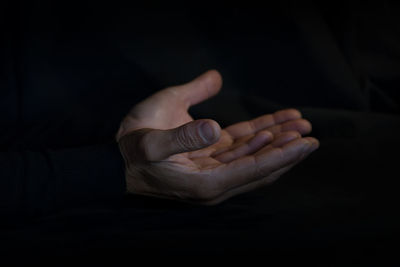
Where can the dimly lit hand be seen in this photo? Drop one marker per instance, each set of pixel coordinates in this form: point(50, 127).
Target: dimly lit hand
point(170, 155)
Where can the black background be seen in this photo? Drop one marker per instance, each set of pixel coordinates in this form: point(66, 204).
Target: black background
point(338, 62)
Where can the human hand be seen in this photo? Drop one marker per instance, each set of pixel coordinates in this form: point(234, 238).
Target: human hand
point(170, 155)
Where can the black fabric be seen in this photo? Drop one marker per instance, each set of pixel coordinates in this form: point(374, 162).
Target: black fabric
point(69, 73)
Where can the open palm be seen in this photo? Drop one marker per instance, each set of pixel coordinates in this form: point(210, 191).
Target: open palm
point(170, 155)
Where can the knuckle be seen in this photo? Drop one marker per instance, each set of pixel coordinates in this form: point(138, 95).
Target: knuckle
point(266, 168)
point(186, 139)
point(183, 139)
point(172, 91)
point(260, 173)
point(292, 134)
point(175, 92)
point(142, 146)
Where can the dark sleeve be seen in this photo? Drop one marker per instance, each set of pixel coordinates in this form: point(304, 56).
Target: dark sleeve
point(34, 183)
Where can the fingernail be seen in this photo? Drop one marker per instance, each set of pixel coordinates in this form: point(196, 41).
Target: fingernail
point(207, 132)
point(310, 147)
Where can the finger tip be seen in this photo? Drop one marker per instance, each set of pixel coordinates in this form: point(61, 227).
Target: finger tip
point(214, 80)
point(215, 73)
point(304, 126)
point(211, 130)
point(295, 113)
point(217, 129)
point(314, 143)
point(307, 126)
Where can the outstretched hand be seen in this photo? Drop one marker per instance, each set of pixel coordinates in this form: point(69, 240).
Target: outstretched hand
point(170, 155)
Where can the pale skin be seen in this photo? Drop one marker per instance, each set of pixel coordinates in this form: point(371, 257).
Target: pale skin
point(170, 155)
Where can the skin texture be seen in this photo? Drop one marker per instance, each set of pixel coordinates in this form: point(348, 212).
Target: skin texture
point(170, 155)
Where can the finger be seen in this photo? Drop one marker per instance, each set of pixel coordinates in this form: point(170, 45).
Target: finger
point(258, 183)
point(251, 186)
point(230, 144)
point(160, 144)
point(201, 88)
point(249, 147)
point(224, 141)
point(280, 140)
point(300, 125)
point(250, 127)
point(254, 167)
point(286, 138)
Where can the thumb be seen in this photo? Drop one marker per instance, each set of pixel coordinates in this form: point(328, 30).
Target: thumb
point(160, 144)
point(202, 88)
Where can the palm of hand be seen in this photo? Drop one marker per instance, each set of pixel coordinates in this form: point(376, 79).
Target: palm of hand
point(230, 166)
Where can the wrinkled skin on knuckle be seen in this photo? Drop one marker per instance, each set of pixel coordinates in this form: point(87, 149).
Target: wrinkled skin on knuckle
point(187, 140)
point(260, 171)
point(265, 172)
point(143, 148)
